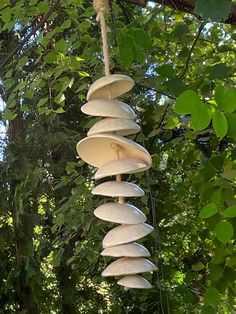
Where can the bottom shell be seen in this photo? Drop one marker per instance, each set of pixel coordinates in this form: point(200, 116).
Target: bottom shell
point(134, 281)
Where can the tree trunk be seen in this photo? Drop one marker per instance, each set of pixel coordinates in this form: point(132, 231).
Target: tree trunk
point(22, 221)
point(67, 281)
point(186, 6)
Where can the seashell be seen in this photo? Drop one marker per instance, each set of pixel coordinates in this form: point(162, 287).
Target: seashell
point(120, 166)
point(100, 149)
point(120, 213)
point(128, 266)
point(116, 189)
point(129, 250)
point(118, 126)
point(110, 86)
point(134, 281)
point(108, 108)
point(125, 234)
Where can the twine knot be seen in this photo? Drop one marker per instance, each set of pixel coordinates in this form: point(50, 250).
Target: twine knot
point(101, 7)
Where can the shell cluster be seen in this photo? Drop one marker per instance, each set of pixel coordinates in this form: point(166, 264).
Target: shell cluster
point(107, 149)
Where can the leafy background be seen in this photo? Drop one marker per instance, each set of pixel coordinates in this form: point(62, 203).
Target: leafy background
point(184, 69)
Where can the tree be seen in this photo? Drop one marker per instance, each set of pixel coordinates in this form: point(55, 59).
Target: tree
point(183, 66)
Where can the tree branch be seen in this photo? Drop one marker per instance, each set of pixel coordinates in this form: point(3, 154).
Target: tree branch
point(201, 27)
point(186, 6)
point(34, 30)
point(155, 90)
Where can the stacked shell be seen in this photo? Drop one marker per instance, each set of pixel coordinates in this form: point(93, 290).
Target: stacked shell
point(114, 155)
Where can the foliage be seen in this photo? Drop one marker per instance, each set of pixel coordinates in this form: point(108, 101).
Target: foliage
point(184, 95)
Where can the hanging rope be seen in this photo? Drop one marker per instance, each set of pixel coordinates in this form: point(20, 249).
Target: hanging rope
point(101, 7)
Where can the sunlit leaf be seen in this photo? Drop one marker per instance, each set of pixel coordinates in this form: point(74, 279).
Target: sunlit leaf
point(220, 124)
point(208, 211)
point(224, 231)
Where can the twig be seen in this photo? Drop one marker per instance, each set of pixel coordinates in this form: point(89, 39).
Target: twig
point(141, 3)
point(155, 90)
point(121, 5)
point(159, 125)
point(193, 45)
point(34, 30)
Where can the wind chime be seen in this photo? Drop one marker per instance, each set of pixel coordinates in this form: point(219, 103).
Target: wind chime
point(107, 149)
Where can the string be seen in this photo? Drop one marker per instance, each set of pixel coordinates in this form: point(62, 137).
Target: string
point(158, 246)
point(100, 7)
point(116, 149)
point(121, 198)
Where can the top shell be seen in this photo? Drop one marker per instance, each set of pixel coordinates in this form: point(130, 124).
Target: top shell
point(111, 108)
point(110, 86)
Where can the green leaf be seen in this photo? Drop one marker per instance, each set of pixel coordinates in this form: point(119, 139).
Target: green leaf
point(231, 262)
point(166, 70)
point(141, 38)
point(42, 102)
point(126, 48)
point(208, 211)
point(184, 53)
point(8, 115)
point(224, 231)
point(219, 71)
point(218, 259)
point(198, 266)
point(229, 174)
point(44, 110)
point(22, 61)
point(6, 15)
point(83, 73)
point(180, 30)
point(173, 123)
point(154, 132)
point(215, 271)
point(51, 57)
point(186, 101)
point(230, 211)
point(60, 98)
point(231, 120)
point(229, 101)
point(212, 296)
point(216, 196)
point(220, 124)
point(21, 86)
point(70, 166)
point(139, 55)
point(201, 116)
point(219, 95)
point(59, 110)
point(57, 257)
point(61, 45)
point(66, 24)
point(207, 309)
point(215, 10)
point(43, 7)
point(176, 86)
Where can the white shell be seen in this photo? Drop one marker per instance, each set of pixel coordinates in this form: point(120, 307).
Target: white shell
point(120, 213)
point(108, 108)
point(110, 86)
point(134, 281)
point(121, 166)
point(127, 266)
point(129, 250)
point(119, 126)
point(100, 149)
point(116, 189)
point(125, 234)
